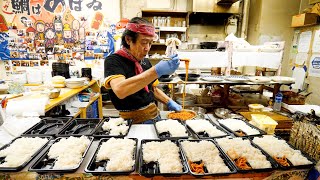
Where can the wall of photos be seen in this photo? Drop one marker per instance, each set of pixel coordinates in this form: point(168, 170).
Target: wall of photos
point(38, 32)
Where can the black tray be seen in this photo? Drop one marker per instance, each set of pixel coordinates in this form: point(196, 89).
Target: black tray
point(167, 135)
point(100, 133)
point(152, 169)
point(47, 127)
point(14, 169)
point(248, 124)
point(98, 167)
point(225, 158)
point(79, 127)
point(204, 135)
point(306, 166)
point(44, 164)
point(274, 165)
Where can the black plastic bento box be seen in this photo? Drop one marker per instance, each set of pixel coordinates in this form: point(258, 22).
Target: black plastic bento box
point(167, 135)
point(237, 133)
point(152, 169)
point(274, 165)
point(2, 159)
point(47, 127)
point(79, 127)
point(100, 133)
point(44, 164)
point(205, 135)
point(99, 167)
point(225, 158)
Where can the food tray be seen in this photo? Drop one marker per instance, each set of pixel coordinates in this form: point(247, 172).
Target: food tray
point(167, 135)
point(212, 78)
point(225, 158)
point(79, 127)
point(45, 165)
point(152, 169)
point(100, 133)
point(14, 169)
point(307, 166)
point(274, 165)
point(47, 127)
point(203, 135)
point(237, 135)
point(235, 78)
point(98, 167)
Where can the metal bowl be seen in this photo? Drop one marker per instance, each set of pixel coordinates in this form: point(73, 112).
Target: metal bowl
point(187, 110)
point(200, 111)
point(54, 93)
point(222, 113)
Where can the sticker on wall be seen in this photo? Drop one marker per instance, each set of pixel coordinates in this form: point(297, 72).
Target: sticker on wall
point(4, 50)
point(314, 66)
point(97, 21)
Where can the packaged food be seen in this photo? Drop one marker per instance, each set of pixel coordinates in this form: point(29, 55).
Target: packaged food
point(255, 107)
point(264, 123)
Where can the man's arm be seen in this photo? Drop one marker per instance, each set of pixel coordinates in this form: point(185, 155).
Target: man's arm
point(160, 96)
point(123, 87)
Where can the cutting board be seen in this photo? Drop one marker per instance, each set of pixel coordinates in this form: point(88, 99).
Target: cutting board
point(284, 122)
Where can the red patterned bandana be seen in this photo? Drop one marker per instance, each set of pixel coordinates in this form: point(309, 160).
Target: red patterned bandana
point(126, 54)
point(141, 28)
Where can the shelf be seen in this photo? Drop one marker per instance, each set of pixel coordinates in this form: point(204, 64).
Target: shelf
point(67, 95)
point(177, 29)
point(159, 11)
point(95, 97)
point(226, 2)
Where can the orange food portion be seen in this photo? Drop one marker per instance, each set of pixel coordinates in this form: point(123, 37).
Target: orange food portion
point(282, 160)
point(241, 163)
point(182, 115)
point(196, 168)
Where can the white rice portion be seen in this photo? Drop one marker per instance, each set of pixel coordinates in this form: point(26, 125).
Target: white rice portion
point(119, 152)
point(175, 128)
point(208, 153)
point(235, 124)
point(68, 151)
point(237, 147)
point(279, 148)
point(21, 150)
point(116, 126)
point(166, 153)
point(202, 125)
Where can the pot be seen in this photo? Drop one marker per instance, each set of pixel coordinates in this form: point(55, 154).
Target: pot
point(293, 98)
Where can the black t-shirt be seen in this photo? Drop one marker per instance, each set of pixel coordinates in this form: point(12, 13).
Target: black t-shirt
point(115, 65)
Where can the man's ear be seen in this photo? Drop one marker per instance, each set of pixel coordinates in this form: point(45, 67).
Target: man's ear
point(128, 40)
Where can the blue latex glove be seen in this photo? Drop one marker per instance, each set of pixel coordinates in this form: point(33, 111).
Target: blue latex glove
point(173, 106)
point(167, 67)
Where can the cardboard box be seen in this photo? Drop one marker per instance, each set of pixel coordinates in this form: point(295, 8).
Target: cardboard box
point(304, 19)
point(313, 1)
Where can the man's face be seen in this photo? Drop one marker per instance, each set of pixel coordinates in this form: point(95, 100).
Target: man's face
point(141, 47)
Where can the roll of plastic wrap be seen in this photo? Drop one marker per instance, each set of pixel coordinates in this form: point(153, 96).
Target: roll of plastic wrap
point(22, 106)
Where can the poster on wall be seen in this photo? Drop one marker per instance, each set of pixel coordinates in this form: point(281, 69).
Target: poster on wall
point(314, 66)
point(304, 41)
point(316, 42)
point(54, 27)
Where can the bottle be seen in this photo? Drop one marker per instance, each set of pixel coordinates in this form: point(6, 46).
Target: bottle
point(277, 102)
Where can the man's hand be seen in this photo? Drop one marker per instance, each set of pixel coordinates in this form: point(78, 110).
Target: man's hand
point(167, 67)
point(173, 106)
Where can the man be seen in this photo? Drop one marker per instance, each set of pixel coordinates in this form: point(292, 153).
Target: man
point(132, 78)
